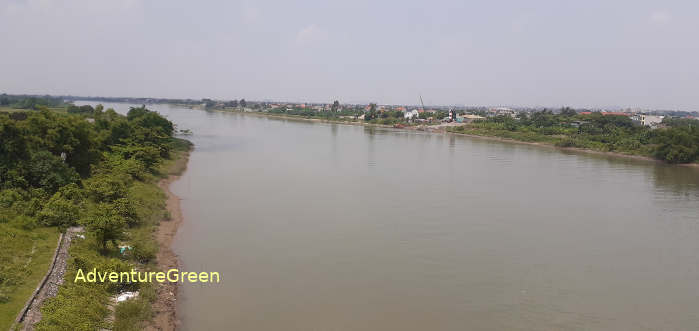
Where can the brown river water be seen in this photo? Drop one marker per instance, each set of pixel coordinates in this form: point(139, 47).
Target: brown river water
point(317, 226)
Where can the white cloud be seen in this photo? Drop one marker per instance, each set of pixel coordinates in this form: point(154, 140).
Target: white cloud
point(660, 17)
point(311, 34)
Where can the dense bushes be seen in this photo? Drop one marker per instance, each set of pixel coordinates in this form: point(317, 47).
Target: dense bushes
point(29, 102)
point(60, 212)
point(677, 144)
point(61, 170)
point(85, 109)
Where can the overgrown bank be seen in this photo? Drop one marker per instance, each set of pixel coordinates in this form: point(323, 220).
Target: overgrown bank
point(93, 168)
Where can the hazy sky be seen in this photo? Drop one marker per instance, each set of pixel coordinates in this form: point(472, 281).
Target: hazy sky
point(549, 53)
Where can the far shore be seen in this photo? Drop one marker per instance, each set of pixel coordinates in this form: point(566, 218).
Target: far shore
point(573, 149)
point(476, 136)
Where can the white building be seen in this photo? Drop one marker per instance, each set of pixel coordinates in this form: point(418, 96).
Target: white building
point(411, 114)
point(651, 120)
point(468, 118)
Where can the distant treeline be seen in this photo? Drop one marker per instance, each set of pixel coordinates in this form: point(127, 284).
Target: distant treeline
point(134, 100)
point(30, 101)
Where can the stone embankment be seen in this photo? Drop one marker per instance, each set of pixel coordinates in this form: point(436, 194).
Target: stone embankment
point(48, 287)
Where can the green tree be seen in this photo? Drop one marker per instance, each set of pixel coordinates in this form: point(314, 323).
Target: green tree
point(147, 119)
point(106, 188)
point(126, 208)
point(106, 225)
point(677, 145)
point(59, 211)
point(49, 172)
point(13, 144)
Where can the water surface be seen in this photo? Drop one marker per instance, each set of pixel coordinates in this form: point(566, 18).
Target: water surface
point(320, 226)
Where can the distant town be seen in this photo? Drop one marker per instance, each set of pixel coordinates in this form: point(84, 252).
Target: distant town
point(668, 135)
point(419, 113)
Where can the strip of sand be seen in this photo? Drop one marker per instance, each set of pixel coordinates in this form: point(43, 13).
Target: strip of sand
point(165, 308)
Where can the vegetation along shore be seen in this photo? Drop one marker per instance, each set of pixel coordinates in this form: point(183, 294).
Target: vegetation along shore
point(63, 166)
point(668, 136)
point(674, 140)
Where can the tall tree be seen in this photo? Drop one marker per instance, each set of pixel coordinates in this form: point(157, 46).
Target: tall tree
point(106, 225)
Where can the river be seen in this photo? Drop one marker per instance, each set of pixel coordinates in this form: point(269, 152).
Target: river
point(317, 226)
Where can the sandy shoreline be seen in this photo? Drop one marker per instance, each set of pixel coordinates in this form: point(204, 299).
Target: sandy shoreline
point(165, 306)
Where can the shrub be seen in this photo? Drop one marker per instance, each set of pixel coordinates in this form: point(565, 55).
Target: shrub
point(26, 222)
point(49, 172)
point(59, 211)
point(130, 314)
point(131, 167)
point(677, 154)
point(106, 188)
point(106, 225)
point(144, 250)
point(9, 197)
point(567, 142)
point(126, 208)
point(73, 192)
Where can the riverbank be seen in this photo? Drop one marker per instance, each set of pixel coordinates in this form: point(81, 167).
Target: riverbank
point(443, 130)
point(310, 119)
point(572, 149)
point(165, 305)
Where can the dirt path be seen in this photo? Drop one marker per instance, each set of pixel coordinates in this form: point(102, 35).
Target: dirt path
point(165, 308)
point(48, 287)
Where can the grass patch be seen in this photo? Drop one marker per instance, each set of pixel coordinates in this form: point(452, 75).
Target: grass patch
point(131, 315)
point(177, 163)
point(25, 256)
